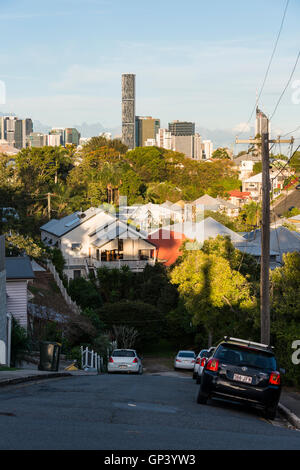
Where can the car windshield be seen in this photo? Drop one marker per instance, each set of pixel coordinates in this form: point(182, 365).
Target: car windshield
point(186, 354)
point(123, 353)
point(204, 353)
point(241, 356)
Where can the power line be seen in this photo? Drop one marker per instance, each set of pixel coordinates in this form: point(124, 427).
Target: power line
point(286, 87)
point(268, 68)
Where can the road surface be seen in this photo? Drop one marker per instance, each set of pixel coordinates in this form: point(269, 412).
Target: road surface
point(120, 412)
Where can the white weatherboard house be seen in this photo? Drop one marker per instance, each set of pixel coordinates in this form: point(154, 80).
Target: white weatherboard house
point(18, 274)
point(95, 238)
point(3, 320)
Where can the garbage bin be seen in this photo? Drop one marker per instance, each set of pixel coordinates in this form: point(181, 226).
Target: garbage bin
point(49, 356)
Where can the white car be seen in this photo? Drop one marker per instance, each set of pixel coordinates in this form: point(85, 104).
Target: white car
point(125, 360)
point(185, 360)
point(206, 354)
point(199, 363)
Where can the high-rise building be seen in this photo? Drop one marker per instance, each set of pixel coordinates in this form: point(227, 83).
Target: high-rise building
point(164, 139)
point(36, 139)
point(15, 131)
point(53, 140)
point(183, 144)
point(23, 128)
point(8, 124)
point(208, 149)
point(182, 128)
point(59, 131)
point(128, 110)
point(71, 136)
point(145, 128)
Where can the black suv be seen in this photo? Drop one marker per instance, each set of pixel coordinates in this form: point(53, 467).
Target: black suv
point(243, 371)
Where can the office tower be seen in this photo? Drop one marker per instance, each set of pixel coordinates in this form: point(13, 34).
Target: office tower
point(182, 128)
point(8, 124)
point(53, 140)
point(262, 123)
point(208, 149)
point(145, 128)
point(183, 144)
point(128, 110)
point(164, 139)
point(71, 136)
point(59, 131)
point(23, 128)
point(36, 139)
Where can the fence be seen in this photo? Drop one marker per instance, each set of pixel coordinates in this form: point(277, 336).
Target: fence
point(91, 360)
point(62, 289)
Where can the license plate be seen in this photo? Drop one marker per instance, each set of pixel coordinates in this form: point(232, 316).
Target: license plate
point(122, 367)
point(242, 378)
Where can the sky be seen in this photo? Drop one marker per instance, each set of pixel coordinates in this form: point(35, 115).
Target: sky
point(61, 61)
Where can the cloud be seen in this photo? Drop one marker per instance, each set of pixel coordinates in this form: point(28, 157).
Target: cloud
point(242, 127)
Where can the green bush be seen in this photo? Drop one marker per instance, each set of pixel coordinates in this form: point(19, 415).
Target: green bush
point(20, 342)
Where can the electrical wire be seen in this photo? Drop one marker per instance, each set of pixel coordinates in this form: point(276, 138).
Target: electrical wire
point(268, 68)
point(286, 87)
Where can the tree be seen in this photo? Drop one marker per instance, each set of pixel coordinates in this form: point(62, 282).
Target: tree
point(218, 297)
point(285, 313)
point(221, 154)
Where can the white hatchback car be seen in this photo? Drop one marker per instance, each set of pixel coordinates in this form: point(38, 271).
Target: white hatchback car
point(185, 360)
point(125, 360)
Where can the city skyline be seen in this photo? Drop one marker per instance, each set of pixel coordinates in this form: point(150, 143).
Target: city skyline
point(208, 75)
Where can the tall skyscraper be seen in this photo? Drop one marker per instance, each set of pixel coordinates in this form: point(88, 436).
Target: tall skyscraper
point(145, 128)
point(15, 131)
point(23, 128)
point(128, 110)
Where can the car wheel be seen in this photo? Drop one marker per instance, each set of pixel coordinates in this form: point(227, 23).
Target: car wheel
point(202, 399)
point(140, 371)
point(270, 412)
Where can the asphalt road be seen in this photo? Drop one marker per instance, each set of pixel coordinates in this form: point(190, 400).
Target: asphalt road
point(291, 200)
point(121, 412)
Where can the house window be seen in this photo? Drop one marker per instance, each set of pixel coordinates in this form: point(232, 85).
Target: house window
point(76, 246)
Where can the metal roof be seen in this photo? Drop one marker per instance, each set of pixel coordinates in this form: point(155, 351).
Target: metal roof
point(18, 268)
point(68, 223)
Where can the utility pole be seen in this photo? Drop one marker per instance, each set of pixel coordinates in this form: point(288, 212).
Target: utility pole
point(265, 243)
point(49, 204)
point(265, 232)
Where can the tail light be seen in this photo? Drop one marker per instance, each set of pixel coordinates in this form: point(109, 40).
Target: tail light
point(213, 365)
point(203, 361)
point(198, 360)
point(178, 360)
point(274, 378)
point(110, 359)
point(135, 360)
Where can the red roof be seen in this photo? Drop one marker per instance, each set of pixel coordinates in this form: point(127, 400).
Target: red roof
point(168, 245)
point(239, 194)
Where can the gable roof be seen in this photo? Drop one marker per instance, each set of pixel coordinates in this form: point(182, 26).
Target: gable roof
point(18, 268)
point(282, 240)
point(117, 229)
point(204, 230)
point(66, 224)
